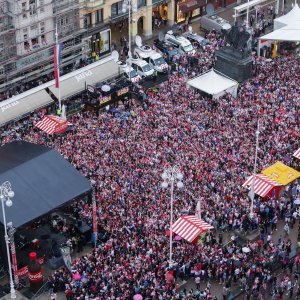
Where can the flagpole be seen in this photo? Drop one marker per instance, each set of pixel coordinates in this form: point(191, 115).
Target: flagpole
point(56, 43)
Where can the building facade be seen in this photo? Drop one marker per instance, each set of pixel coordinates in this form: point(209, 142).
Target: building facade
point(86, 28)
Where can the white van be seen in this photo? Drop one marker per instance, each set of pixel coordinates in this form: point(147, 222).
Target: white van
point(145, 52)
point(209, 23)
point(142, 67)
point(180, 42)
point(130, 73)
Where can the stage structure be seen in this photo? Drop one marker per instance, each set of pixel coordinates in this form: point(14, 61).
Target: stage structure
point(42, 181)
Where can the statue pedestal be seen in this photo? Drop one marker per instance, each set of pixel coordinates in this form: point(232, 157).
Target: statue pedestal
point(234, 63)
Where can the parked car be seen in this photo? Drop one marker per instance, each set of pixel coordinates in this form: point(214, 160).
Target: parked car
point(196, 39)
point(130, 73)
point(142, 67)
point(180, 42)
point(166, 49)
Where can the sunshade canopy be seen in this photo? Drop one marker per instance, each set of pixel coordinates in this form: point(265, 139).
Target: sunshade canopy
point(214, 83)
point(52, 124)
point(23, 104)
point(281, 173)
point(189, 227)
point(289, 18)
point(297, 154)
point(262, 184)
point(76, 82)
point(289, 33)
point(41, 179)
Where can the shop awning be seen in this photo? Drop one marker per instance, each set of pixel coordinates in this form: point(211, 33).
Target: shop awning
point(76, 82)
point(262, 185)
point(297, 154)
point(189, 227)
point(23, 104)
point(190, 5)
point(52, 124)
point(281, 173)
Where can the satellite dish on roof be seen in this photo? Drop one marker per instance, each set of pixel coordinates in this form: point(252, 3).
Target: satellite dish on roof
point(115, 55)
point(190, 29)
point(138, 41)
point(161, 36)
point(210, 9)
point(174, 28)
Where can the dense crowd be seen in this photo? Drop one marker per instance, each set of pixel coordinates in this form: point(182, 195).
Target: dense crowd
point(212, 141)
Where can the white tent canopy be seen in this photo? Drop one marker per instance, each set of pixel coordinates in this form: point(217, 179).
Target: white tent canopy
point(289, 33)
point(292, 16)
point(215, 84)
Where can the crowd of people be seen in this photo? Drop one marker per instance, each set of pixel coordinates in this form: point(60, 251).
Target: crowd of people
point(212, 141)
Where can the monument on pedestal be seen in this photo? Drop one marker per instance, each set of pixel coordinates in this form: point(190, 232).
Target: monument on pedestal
point(235, 60)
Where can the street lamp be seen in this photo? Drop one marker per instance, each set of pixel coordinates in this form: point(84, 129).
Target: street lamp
point(169, 176)
point(6, 193)
point(254, 172)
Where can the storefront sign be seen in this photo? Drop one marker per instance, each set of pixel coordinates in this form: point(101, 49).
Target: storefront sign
point(91, 89)
point(33, 58)
point(105, 99)
point(123, 91)
point(9, 105)
point(24, 271)
point(83, 75)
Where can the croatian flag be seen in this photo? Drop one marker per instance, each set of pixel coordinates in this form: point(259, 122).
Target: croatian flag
point(57, 53)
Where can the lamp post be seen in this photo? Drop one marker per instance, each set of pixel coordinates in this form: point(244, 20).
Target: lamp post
point(128, 4)
point(6, 193)
point(254, 172)
point(169, 176)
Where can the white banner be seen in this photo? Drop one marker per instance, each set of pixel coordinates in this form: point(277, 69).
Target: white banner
point(66, 254)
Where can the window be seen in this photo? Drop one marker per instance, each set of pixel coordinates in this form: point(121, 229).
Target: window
point(33, 27)
point(42, 27)
point(25, 36)
point(41, 2)
point(43, 39)
point(116, 9)
point(24, 16)
point(42, 10)
point(88, 20)
point(32, 7)
point(99, 15)
point(23, 6)
point(141, 3)
point(26, 46)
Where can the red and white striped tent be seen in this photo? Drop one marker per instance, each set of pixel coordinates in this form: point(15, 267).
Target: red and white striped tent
point(52, 124)
point(262, 185)
point(297, 154)
point(190, 227)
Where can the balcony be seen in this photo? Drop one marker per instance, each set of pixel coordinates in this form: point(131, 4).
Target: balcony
point(7, 28)
point(89, 4)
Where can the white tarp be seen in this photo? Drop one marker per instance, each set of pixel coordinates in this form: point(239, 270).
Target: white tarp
point(215, 84)
point(289, 33)
point(75, 82)
point(23, 104)
point(292, 16)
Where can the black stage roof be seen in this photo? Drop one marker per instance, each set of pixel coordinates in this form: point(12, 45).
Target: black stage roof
point(41, 179)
